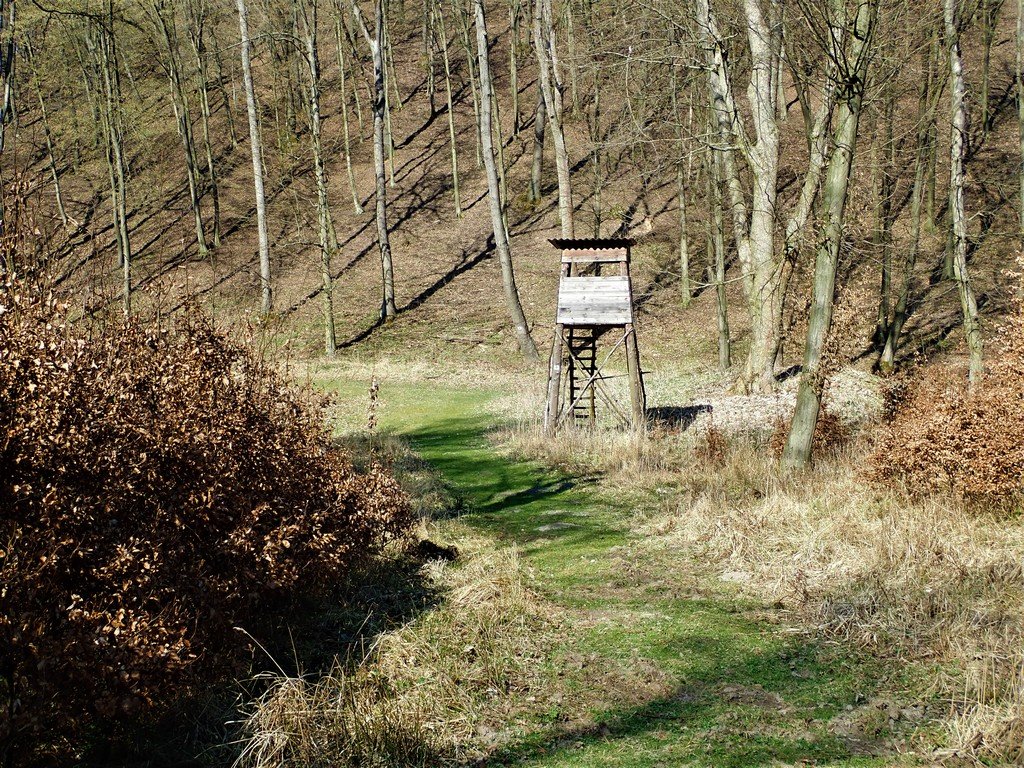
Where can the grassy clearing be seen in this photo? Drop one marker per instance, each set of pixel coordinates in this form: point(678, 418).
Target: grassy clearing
point(579, 627)
point(927, 584)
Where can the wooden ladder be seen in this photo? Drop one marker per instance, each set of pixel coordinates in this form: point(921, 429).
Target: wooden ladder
point(582, 364)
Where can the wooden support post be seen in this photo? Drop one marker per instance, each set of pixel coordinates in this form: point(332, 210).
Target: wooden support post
point(636, 383)
point(554, 384)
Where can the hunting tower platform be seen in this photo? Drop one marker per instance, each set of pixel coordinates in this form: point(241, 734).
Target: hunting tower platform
point(595, 303)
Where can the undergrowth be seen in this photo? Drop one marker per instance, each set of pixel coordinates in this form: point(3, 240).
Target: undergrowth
point(924, 580)
point(434, 692)
point(158, 488)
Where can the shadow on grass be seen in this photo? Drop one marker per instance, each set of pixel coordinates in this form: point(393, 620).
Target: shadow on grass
point(739, 694)
point(509, 498)
point(732, 706)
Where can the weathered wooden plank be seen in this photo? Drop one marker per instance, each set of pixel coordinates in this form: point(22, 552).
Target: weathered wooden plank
point(601, 315)
point(601, 289)
point(615, 283)
point(593, 254)
point(594, 301)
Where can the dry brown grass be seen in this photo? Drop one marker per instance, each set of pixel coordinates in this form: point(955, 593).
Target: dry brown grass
point(622, 455)
point(908, 579)
point(917, 580)
point(435, 692)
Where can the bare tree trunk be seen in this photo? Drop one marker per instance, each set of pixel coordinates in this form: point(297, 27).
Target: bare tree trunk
point(837, 182)
point(197, 28)
point(390, 72)
point(515, 308)
point(1019, 73)
point(882, 236)
point(463, 28)
point(958, 219)
point(219, 80)
point(928, 103)
point(356, 64)
point(716, 256)
point(989, 11)
point(551, 87)
point(325, 226)
point(376, 43)
point(429, 51)
point(570, 41)
point(515, 12)
point(540, 121)
point(595, 143)
point(388, 68)
point(168, 31)
point(47, 133)
point(442, 33)
point(257, 158)
point(754, 228)
point(105, 53)
point(7, 62)
point(685, 288)
point(342, 68)
point(499, 146)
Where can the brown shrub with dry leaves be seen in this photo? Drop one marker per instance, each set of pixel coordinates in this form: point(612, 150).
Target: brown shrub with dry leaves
point(157, 489)
point(944, 437)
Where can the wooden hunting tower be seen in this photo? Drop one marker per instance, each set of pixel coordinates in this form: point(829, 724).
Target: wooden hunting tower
point(595, 302)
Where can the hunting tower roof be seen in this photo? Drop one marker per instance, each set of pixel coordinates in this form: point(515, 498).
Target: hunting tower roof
point(591, 243)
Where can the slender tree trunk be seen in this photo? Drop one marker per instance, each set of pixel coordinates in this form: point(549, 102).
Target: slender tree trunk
point(376, 44)
point(256, 145)
point(182, 115)
point(356, 65)
point(540, 121)
point(595, 142)
point(515, 308)
point(570, 41)
point(428, 53)
point(1019, 72)
point(837, 182)
point(928, 103)
point(551, 88)
point(882, 235)
point(325, 226)
point(716, 256)
point(197, 30)
point(958, 219)
point(931, 167)
point(47, 133)
point(390, 71)
point(754, 229)
point(442, 33)
point(463, 28)
point(515, 11)
point(499, 146)
point(7, 62)
point(106, 60)
point(219, 80)
point(685, 288)
point(989, 11)
point(388, 68)
point(342, 68)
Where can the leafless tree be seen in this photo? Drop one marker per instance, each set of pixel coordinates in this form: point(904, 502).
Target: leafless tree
point(256, 144)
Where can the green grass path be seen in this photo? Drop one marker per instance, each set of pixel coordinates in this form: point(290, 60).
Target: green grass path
point(695, 675)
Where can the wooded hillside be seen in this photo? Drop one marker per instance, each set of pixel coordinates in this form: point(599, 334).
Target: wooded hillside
point(770, 156)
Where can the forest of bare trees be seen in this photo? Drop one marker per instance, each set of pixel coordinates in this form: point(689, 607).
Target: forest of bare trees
point(799, 143)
